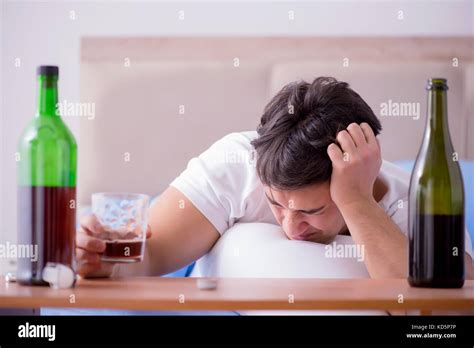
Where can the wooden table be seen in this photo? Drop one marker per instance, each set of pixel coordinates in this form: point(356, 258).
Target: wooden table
point(155, 293)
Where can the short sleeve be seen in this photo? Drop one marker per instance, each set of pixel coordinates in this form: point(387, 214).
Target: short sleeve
point(217, 181)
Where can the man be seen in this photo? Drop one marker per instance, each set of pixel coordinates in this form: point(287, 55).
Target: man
point(318, 173)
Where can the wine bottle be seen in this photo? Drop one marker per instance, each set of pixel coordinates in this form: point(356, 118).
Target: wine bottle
point(46, 185)
point(436, 202)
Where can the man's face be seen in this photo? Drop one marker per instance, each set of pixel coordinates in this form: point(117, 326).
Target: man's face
point(307, 213)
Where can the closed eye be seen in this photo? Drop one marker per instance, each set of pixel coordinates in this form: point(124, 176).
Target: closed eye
point(276, 204)
point(317, 211)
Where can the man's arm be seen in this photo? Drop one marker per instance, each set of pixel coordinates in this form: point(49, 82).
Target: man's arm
point(385, 246)
point(353, 177)
point(180, 233)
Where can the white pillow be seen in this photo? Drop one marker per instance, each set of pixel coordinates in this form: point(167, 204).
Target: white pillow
point(262, 250)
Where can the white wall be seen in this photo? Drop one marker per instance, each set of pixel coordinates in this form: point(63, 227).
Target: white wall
point(44, 33)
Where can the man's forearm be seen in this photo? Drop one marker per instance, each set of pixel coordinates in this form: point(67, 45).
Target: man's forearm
point(385, 246)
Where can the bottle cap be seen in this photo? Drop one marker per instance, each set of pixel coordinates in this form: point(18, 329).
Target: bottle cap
point(47, 70)
point(437, 83)
point(59, 276)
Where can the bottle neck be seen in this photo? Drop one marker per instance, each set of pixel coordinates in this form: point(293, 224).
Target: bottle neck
point(47, 96)
point(437, 123)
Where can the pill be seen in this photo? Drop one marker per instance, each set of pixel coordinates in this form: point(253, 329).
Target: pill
point(206, 283)
point(10, 277)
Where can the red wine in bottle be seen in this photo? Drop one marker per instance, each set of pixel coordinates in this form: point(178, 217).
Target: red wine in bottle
point(47, 185)
point(436, 204)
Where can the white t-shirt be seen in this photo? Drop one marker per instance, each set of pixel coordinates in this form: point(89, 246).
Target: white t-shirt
point(223, 184)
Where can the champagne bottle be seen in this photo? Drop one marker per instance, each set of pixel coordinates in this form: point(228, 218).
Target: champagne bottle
point(436, 202)
point(46, 185)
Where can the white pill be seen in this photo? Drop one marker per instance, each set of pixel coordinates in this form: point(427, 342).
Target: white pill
point(206, 283)
point(10, 277)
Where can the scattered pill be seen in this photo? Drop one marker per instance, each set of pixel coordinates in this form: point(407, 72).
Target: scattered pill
point(206, 283)
point(10, 277)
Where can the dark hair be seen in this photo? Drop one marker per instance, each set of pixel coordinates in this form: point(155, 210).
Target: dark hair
point(298, 125)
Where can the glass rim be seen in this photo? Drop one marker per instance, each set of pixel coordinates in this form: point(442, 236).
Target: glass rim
point(122, 195)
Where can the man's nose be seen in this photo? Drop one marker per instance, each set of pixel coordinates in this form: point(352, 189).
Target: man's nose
point(294, 224)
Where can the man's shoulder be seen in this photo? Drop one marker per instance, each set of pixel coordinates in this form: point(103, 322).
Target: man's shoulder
point(393, 172)
point(239, 139)
point(232, 148)
point(232, 156)
point(397, 181)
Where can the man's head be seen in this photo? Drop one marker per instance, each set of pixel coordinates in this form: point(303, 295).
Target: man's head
point(295, 130)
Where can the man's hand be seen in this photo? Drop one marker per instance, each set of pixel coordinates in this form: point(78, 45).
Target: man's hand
point(356, 166)
point(89, 249)
point(355, 169)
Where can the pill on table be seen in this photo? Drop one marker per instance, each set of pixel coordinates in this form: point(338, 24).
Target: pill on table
point(206, 283)
point(10, 277)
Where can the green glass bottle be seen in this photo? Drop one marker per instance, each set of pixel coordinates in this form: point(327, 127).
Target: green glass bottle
point(46, 185)
point(436, 202)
